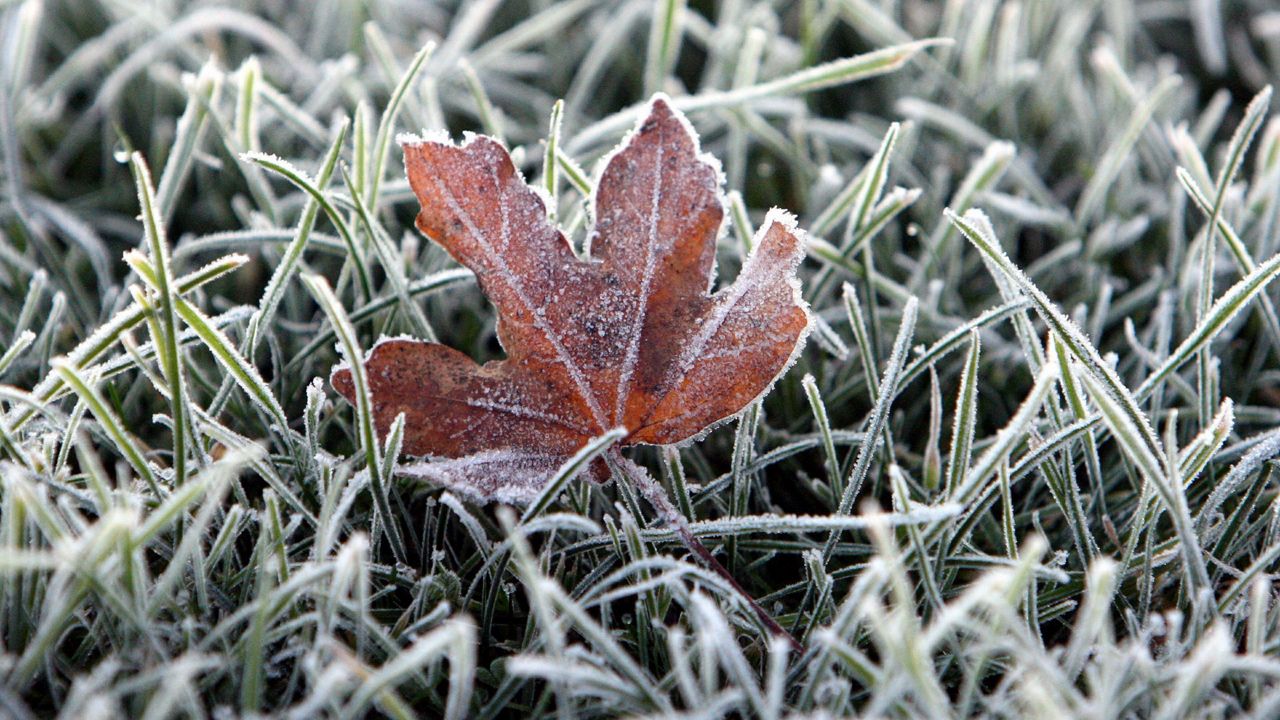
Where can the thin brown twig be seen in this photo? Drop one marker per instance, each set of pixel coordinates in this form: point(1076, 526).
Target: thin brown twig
point(656, 495)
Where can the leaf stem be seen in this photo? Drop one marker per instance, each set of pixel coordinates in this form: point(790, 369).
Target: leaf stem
point(654, 493)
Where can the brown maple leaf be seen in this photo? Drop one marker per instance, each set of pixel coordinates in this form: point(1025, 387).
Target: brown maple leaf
point(629, 337)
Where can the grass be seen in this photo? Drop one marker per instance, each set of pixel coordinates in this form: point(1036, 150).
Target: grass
point(1023, 468)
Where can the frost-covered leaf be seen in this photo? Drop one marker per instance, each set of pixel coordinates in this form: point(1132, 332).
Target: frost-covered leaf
point(630, 337)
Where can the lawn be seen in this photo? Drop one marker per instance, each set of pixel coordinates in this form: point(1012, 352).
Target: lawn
point(1022, 467)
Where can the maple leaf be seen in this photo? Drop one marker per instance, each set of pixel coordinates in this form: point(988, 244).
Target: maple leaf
point(629, 337)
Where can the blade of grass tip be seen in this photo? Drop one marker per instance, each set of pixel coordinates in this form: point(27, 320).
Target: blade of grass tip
point(1227, 307)
point(264, 199)
point(550, 178)
point(876, 181)
point(144, 301)
point(167, 295)
point(138, 357)
point(1239, 251)
point(348, 345)
point(863, 202)
point(673, 467)
point(70, 434)
point(866, 356)
point(1147, 460)
point(386, 124)
point(1189, 155)
point(204, 90)
point(818, 77)
point(378, 47)
point(817, 576)
point(1245, 467)
point(288, 264)
point(868, 263)
point(1261, 201)
point(646, 607)
point(391, 448)
point(932, 470)
point(244, 373)
point(392, 262)
point(1193, 458)
point(966, 412)
point(302, 182)
point(1100, 587)
point(37, 287)
point(1006, 512)
point(486, 113)
point(20, 343)
point(665, 32)
point(829, 217)
point(246, 120)
point(876, 423)
point(109, 422)
point(741, 222)
point(890, 206)
point(308, 128)
point(1240, 140)
point(743, 481)
point(970, 494)
point(51, 327)
point(102, 339)
point(975, 226)
point(828, 339)
point(824, 429)
point(570, 469)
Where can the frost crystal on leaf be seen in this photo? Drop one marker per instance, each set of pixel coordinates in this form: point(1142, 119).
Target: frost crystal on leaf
point(631, 337)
